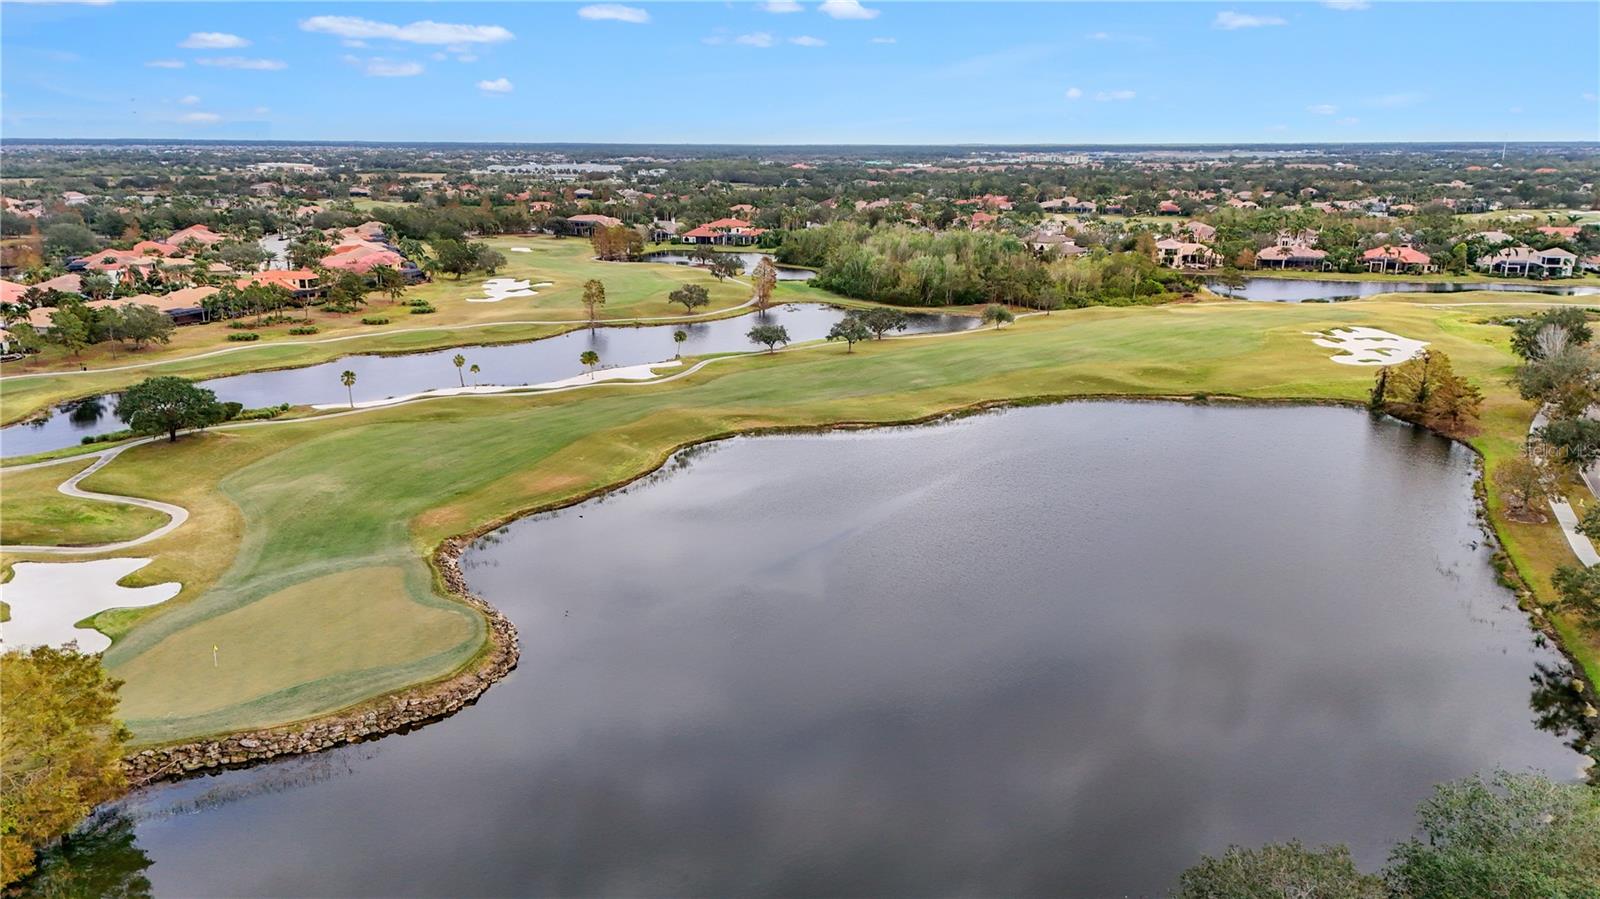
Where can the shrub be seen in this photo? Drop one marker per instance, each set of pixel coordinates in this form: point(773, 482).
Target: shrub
point(303, 330)
point(112, 437)
point(375, 320)
point(244, 336)
point(422, 309)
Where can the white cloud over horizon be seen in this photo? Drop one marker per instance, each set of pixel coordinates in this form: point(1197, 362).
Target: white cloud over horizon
point(1228, 20)
point(782, 6)
point(213, 40)
point(846, 9)
point(1123, 94)
point(806, 40)
point(354, 28)
point(614, 12)
point(242, 62)
point(496, 86)
point(1322, 109)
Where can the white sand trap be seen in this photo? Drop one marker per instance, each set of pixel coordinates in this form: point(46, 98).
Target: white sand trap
point(545, 284)
point(497, 289)
point(47, 597)
point(1367, 346)
point(620, 373)
point(522, 249)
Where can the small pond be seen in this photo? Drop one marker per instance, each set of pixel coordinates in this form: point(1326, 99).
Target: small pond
point(530, 362)
point(1056, 651)
point(1298, 290)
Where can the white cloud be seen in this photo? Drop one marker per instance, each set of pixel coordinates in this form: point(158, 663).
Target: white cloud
point(378, 67)
point(1074, 93)
point(156, 63)
point(1124, 94)
point(1100, 36)
point(1587, 96)
point(189, 100)
point(806, 40)
point(614, 12)
point(1322, 109)
point(200, 118)
point(243, 62)
point(755, 39)
point(781, 6)
point(847, 9)
point(424, 32)
point(1229, 20)
point(497, 86)
point(883, 40)
point(352, 43)
point(1347, 5)
point(1347, 120)
point(213, 40)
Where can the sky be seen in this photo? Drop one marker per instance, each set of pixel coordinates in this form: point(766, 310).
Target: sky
point(802, 71)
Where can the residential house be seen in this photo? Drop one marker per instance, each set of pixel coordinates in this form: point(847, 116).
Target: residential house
point(73, 198)
point(1058, 245)
point(1168, 207)
point(303, 283)
point(1398, 260)
point(585, 225)
point(1174, 253)
point(728, 232)
point(1528, 262)
point(1293, 255)
point(198, 233)
point(663, 230)
point(1199, 231)
point(1564, 232)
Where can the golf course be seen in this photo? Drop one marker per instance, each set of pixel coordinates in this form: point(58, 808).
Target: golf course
point(308, 564)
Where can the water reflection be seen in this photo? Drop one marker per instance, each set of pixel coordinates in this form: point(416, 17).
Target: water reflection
point(101, 859)
point(1299, 290)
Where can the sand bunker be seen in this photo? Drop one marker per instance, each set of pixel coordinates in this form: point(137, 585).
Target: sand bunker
point(1367, 346)
point(47, 597)
point(522, 249)
point(545, 284)
point(497, 289)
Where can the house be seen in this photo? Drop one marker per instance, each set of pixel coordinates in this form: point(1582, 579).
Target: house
point(585, 225)
point(663, 230)
point(1199, 231)
point(182, 306)
point(1398, 260)
point(73, 198)
point(1174, 253)
point(728, 232)
point(1492, 237)
point(362, 257)
point(1081, 207)
point(582, 193)
point(360, 192)
point(1168, 207)
point(1564, 232)
point(981, 220)
point(197, 233)
point(303, 283)
point(1292, 255)
point(63, 284)
point(1591, 263)
point(1058, 245)
point(1528, 262)
point(11, 291)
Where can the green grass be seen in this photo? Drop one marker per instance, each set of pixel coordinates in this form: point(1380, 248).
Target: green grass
point(288, 510)
point(35, 513)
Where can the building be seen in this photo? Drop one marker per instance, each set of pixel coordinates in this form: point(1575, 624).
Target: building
point(197, 233)
point(1168, 207)
point(727, 232)
point(1174, 253)
point(585, 225)
point(1398, 260)
point(303, 283)
point(1199, 231)
point(1293, 255)
point(1530, 263)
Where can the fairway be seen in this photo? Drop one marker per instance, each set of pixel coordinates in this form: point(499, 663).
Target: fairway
point(35, 513)
point(318, 530)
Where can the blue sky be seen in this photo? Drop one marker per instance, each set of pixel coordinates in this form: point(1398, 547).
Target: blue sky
point(839, 71)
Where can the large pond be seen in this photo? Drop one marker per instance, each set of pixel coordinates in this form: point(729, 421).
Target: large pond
point(1299, 290)
point(1052, 651)
point(750, 261)
point(531, 362)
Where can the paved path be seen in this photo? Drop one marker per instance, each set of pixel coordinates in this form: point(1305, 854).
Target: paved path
point(1582, 546)
point(176, 515)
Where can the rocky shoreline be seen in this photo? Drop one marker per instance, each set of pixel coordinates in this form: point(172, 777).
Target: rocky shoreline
point(384, 715)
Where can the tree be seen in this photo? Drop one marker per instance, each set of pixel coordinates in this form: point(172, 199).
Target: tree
point(1279, 871)
point(308, 251)
point(1560, 375)
point(475, 370)
point(678, 337)
point(764, 279)
point(771, 335)
point(487, 258)
point(1425, 390)
point(69, 327)
point(998, 315)
point(594, 296)
point(1579, 589)
point(1524, 484)
point(882, 319)
point(348, 379)
point(459, 361)
point(1512, 836)
point(140, 324)
point(167, 403)
point(850, 329)
point(96, 285)
point(690, 296)
point(1589, 525)
point(60, 748)
point(453, 257)
point(388, 280)
point(67, 239)
point(1525, 333)
point(242, 256)
point(590, 358)
point(1576, 439)
point(725, 265)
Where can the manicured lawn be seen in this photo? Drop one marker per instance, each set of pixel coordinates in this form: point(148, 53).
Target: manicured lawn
point(308, 539)
point(35, 513)
point(633, 290)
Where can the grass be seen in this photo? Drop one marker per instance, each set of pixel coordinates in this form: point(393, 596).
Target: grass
point(633, 290)
point(316, 532)
point(35, 513)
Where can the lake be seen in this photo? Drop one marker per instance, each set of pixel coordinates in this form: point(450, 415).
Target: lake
point(1297, 290)
point(750, 261)
point(1058, 650)
point(529, 362)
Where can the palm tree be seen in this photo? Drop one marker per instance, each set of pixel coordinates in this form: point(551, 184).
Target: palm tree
point(591, 359)
point(474, 369)
point(678, 337)
point(348, 379)
point(460, 360)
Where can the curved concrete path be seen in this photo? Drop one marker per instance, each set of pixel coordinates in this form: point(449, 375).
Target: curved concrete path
point(1566, 518)
point(176, 515)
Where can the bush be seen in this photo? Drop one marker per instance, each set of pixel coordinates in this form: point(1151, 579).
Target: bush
point(304, 330)
point(375, 320)
point(238, 324)
point(423, 309)
point(244, 336)
point(112, 437)
point(263, 413)
point(231, 410)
